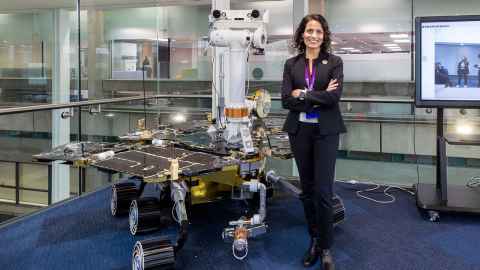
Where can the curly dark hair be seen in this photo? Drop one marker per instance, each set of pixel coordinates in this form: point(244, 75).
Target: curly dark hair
point(298, 37)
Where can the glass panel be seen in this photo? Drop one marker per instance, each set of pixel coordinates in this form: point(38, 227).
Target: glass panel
point(7, 174)
point(73, 181)
point(7, 194)
point(24, 135)
point(265, 69)
point(34, 176)
point(445, 7)
point(25, 58)
point(7, 181)
point(33, 197)
point(374, 43)
point(96, 179)
point(119, 52)
point(30, 53)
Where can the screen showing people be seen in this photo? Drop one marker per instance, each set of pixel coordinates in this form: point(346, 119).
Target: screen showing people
point(450, 60)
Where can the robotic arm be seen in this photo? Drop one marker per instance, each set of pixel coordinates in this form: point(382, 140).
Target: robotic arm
point(238, 31)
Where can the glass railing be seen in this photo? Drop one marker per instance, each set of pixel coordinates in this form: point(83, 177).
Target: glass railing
point(388, 142)
point(98, 67)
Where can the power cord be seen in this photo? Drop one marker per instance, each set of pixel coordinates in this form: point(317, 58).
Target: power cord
point(474, 182)
point(376, 189)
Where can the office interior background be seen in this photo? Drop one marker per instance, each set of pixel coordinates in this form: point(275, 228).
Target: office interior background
point(93, 51)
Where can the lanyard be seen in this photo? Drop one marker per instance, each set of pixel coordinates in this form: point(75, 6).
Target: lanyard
point(310, 80)
point(310, 77)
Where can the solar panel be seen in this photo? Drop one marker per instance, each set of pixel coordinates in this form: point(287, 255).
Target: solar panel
point(153, 161)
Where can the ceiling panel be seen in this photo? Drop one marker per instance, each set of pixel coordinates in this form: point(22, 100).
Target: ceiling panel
point(385, 42)
point(22, 5)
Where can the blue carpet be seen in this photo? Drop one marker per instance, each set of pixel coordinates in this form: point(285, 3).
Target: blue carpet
point(81, 234)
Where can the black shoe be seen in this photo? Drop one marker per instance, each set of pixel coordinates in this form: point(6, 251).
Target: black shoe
point(311, 256)
point(327, 260)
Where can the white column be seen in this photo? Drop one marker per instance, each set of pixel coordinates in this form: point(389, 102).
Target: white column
point(300, 9)
point(317, 6)
point(96, 71)
point(220, 82)
point(60, 94)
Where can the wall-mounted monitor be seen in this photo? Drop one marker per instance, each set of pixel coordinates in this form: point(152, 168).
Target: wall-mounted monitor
point(447, 61)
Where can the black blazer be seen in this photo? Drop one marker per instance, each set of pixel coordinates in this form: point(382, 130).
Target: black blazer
point(328, 66)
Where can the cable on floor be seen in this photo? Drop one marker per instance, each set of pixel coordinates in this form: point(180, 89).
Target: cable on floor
point(376, 189)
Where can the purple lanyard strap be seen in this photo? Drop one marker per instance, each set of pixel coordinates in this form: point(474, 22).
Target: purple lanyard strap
point(310, 80)
point(310, 77)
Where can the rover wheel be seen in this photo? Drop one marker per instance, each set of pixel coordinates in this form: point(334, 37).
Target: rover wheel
point(155, 253)
point(145, 215)
point(122, 195)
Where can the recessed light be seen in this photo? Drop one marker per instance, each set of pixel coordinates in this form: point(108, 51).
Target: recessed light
point(402, 41)
point(399, 35)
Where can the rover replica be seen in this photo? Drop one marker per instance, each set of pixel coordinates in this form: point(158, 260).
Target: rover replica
point(223, 157)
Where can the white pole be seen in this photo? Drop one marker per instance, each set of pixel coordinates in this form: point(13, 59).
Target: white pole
point(60, 94)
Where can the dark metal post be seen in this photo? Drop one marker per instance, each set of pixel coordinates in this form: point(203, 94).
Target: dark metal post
point(441, 158)
point(17, 183)
point(44, 75)
point(412, 45)
point(49, 184)
point(84, 173)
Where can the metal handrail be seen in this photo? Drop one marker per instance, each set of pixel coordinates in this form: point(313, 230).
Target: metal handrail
point(134, 98)
point(89, 103)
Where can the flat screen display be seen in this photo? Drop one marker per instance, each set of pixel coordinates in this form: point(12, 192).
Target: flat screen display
point(447, 61)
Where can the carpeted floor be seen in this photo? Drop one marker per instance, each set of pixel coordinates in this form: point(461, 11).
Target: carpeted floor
point(81, 234)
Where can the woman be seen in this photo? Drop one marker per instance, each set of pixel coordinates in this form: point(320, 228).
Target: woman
point(311, 90)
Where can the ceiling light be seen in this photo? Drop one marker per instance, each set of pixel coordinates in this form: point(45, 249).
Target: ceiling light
point(464, 128)
point(347, 48)
point(399, 35)
point(179, 118)
point(402, 41)
point(390, 45)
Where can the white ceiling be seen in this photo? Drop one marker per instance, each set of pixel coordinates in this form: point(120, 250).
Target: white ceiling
point(23, 5)
point(368, 42)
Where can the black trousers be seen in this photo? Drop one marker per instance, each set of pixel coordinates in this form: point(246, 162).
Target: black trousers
point(315, 156)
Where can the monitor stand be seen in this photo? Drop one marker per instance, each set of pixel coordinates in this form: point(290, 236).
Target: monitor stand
point(441, 197)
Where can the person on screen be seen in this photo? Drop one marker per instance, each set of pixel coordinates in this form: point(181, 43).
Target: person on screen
point(463, 71)
point(478, 72)
point(441, 75)
point(444, 76)
point(437, 73)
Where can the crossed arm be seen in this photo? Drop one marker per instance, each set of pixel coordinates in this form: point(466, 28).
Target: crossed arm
point(296, 99)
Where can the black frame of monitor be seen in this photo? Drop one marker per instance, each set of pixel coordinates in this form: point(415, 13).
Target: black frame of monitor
point(419, 102)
